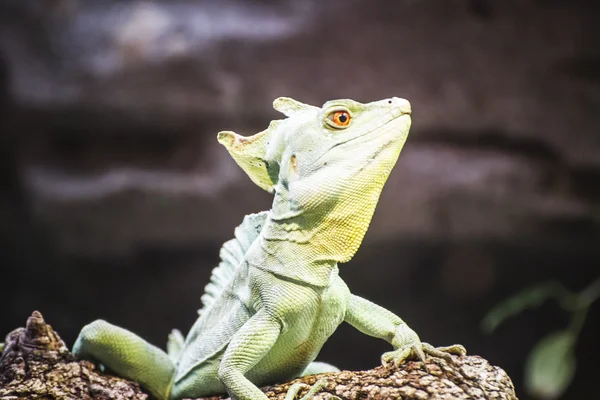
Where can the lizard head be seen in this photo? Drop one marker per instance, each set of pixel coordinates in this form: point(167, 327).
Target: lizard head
point(327, 165)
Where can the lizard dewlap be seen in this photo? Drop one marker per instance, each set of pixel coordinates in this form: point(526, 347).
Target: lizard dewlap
point(277, 296)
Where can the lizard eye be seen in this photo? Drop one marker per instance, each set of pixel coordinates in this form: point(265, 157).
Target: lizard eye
point(339, 119)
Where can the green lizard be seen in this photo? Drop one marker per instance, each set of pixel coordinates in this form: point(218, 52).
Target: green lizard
point(276, 296)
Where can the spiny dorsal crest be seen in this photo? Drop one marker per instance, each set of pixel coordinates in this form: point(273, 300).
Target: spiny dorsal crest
point(232, 254)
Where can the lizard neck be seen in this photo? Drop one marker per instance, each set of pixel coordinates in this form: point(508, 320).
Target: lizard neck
point(329, 231)
point(295, 260)
point(306, 243)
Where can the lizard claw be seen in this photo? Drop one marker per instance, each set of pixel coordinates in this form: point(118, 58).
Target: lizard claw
point(397, 356)
point(444, 352)
point(419, 350)
point(406, 344)
point(316, 387)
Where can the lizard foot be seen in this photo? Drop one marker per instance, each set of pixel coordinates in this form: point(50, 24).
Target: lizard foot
point(419, 350)
point(318, 386)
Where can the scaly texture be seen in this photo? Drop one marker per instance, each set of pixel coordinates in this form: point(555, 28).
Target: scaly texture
point(53, 374)
point(277, 295)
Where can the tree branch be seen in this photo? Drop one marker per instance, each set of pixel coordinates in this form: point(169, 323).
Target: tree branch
point(36, 364)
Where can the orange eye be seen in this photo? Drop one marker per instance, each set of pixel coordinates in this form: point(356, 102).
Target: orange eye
point(340, 118)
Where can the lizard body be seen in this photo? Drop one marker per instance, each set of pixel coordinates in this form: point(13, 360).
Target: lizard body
point(276, 296)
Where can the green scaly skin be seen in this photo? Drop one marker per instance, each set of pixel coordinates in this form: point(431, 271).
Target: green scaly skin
point(276, 297)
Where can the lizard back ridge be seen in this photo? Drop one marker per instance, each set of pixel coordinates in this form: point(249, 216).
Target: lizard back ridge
point(232, 254)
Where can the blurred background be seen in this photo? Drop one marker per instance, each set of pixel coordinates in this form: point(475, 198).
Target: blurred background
point(115, 195)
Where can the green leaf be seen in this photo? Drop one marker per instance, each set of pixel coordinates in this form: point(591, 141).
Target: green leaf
point(528, 298)
point(550, 367)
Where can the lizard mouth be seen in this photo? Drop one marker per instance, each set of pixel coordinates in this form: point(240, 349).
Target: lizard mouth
point(393, 129)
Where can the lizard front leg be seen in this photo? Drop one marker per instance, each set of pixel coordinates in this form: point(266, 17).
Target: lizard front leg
point(376, 321)
point(247, 347)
